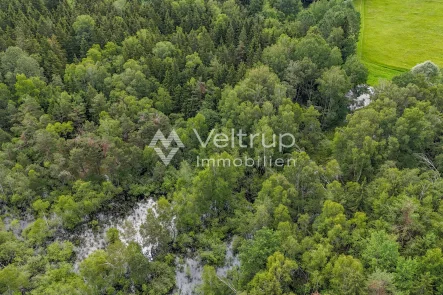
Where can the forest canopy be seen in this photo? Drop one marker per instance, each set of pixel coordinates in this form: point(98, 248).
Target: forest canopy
point(85, 86)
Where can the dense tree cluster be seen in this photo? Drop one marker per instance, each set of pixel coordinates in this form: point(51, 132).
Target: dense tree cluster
point(85, 85)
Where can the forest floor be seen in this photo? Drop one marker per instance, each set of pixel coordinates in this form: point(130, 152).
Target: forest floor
point(398, 34)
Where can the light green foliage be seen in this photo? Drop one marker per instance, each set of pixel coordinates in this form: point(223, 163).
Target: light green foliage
point(406, 273)
point(276, 279)
point(381, 252)
point(432, 268)
point(84, 27)
point(85, 85)
point(333, 85)
point(15, 61)
point(95, 269)
point(60, 251)
point(163, 101)
point(347, 276)
point(164, 49)
point(254, 252)
point(60, 128)
point(13, 279)
point(38, 231)
point(276, 195)
point(212, 284)
point(304, 175)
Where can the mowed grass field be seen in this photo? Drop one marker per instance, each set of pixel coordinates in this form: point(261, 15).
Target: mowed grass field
point(398, 34)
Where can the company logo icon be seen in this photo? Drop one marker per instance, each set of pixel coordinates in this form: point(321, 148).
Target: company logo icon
point(166, 142)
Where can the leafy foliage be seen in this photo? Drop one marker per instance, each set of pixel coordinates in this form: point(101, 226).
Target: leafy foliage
point(85, 85)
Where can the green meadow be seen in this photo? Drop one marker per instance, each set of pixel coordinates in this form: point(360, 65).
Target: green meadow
point(398, 34)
